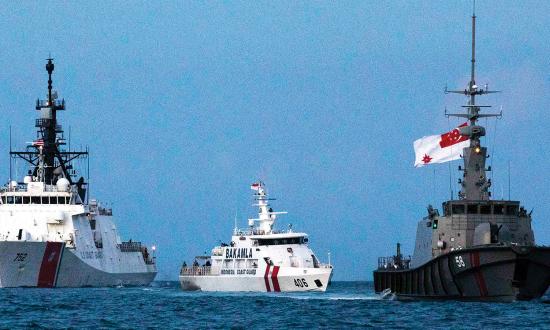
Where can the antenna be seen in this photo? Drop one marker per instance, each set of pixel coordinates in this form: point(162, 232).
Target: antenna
point(88, 175)
point(235, 223)
point(451, 178)
point(509, 188)
point(10, 153)
point(472, 81)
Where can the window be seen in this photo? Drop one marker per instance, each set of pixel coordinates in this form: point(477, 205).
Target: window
point(446, 209)
point(315, 261)
point(485, 209)
point(472, 208)
point(511, 209)
point(498, 209)
point(26, 199)
point(35, 200)
point(292, 240)
point(45, 200)
point(458, 209)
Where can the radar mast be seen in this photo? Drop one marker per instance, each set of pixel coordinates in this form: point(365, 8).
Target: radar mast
point(474, 185)
point(48, 160)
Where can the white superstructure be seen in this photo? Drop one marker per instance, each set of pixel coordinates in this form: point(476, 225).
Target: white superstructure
point(50, 236)
point(259, 259)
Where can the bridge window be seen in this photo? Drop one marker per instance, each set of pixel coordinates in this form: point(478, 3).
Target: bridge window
point(472, 208)
point(291, 240)
point(485, 209)
point(498, 209)
point(511, 209)
point(458, 208)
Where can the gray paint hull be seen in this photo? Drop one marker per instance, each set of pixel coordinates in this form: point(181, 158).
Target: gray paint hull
point(22, 264)
point(488, 273)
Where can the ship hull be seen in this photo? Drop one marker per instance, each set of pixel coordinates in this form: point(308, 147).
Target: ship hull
point(489, 273)
point(52, 264)
point(285, 279)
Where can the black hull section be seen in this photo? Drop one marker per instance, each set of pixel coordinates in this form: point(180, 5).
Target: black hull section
point(489, 273)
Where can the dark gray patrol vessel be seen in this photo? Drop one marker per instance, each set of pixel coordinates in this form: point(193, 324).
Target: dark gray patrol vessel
point(479, 249)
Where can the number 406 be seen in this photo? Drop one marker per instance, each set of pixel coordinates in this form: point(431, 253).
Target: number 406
point(300, 282)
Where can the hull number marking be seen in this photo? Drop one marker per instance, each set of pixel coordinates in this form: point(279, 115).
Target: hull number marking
point(91, 254)
point(301, 283)
point(20, 257)
point(459, 262)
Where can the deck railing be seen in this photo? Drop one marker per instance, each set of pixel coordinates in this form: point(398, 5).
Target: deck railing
point(138, 247)
point(394, 263)
point(130, 247)
point(196, 270)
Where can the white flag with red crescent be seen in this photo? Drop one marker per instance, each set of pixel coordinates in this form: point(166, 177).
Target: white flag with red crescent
point(440, 148)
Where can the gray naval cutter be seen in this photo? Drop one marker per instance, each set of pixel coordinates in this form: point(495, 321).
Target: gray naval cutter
point(479, 248)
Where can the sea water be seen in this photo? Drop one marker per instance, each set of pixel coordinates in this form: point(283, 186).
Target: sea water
point(164, 305)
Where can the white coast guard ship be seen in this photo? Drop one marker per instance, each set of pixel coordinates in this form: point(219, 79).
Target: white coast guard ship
point(50, 236)
point(259, 259)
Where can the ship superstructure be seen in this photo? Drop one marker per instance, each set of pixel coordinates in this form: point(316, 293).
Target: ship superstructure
point(259, 258)
point(478, 248)
point(50, 234)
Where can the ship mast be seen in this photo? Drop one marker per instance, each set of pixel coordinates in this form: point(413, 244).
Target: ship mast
point(266, 215)
point(474, 184)
point(45, 155)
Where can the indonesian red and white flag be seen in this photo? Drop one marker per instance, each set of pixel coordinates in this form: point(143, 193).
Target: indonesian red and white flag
point(440, 148)
point(255, 186)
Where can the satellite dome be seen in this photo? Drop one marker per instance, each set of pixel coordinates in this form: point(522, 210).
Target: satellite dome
point(63, 184)
point(27, 179)
point(13, 184)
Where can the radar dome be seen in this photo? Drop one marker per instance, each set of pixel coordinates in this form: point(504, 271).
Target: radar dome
point(13, 184)
point(59, 215)
point(63, 184)
point(27, 179)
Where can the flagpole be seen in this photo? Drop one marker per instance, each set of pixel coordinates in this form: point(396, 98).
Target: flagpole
point(433, 188)
point(450, 181)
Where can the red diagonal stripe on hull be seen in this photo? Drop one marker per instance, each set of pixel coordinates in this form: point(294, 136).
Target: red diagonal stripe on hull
point(49, 266)
point(474, 260)
point(266, 278)
point(275, 280)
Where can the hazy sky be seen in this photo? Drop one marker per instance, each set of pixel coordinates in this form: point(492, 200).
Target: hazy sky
point(184, 104)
